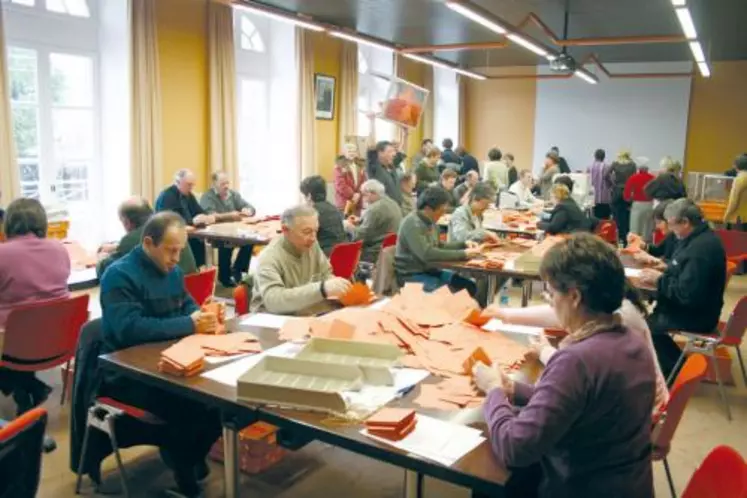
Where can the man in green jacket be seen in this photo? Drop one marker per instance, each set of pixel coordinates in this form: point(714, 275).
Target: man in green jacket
point(133, 213)
point(381, 217)
point(419, 248)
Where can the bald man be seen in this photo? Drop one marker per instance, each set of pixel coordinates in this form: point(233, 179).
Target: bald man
point(133, 213)
point(180, 199)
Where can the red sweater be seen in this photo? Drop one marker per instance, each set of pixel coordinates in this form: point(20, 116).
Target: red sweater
point(634, 187)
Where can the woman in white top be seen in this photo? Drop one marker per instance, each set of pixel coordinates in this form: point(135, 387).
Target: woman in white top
point(633, 312)
point(522, 189)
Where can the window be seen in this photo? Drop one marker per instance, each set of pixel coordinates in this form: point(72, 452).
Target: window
point(27, 3)
point(375, 68)
point(445, 105)
point(77, 8)
point(266, 88)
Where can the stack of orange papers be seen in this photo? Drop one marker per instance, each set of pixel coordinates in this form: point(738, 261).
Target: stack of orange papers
point(184, 359)
point(392, 423)
point(187, 357)
point(359, 294)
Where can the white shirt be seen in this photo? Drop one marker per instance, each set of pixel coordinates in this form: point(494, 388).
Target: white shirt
point(526, 199)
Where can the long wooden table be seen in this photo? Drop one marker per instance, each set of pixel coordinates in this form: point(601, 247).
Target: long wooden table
point(478, 470)
point(230, 234)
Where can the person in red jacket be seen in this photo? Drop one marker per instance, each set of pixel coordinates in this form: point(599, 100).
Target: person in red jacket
point(349, 175)
point(642, 210)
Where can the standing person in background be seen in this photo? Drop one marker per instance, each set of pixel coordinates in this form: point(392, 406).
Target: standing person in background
point(448, 155)
point(407, 186)
point(331, 231)
point(736, 210)
point(426, 172)
point(667, 185)
point(418, 158)
point(550, 169)
point(642, 210)
point(348, 177)
point(618, 175)
point(496, 171)
point(513, 173)
point(562, 163)
point(469, 163)
point(381, 167)
point(598, 177)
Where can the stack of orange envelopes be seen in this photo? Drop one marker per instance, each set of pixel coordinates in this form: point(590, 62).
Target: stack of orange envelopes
point(392, 423)
point(184, 359)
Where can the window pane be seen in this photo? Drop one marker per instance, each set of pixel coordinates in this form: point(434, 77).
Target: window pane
point(26, 131)
point(23, 77)
point(250, 37)
point(72, 80)
point(73, 134)
point(77, 8)
point(29, 3)
point(29, 168)
point(253, 136)
point(71, 182)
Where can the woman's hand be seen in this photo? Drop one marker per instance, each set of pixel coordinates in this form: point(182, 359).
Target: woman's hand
point(488, 378)
point(495, 311)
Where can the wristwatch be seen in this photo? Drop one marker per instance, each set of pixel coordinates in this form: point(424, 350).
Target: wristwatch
point(323, 290)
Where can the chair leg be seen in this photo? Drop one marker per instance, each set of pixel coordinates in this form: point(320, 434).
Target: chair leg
point(721, 390)
point(741, 365)
point(669, 479)
point(83, 452)
point(64, 383)
point(680, 360)
point(120, 466)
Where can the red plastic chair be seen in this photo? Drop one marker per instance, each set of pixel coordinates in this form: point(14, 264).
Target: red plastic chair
point(345, 258)
point(735, 244)
point(241, 299)
point(687, 381)
point(723, 474)
point(21, 453)
point(201, 285)
point(44, 335)
point(607, 230)
point(658, 237)
point(389, 240)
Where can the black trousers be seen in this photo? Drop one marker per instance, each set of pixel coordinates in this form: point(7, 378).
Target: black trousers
point(199, 251)
point(667, 351)
point(621, 214)
point(602, 211)
point(240, 265)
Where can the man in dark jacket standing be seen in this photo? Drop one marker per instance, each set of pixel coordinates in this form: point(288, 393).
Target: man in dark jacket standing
point(690, 292)
point(381, 167)
point(448, 155)
point(562, 163)
point(469, 163)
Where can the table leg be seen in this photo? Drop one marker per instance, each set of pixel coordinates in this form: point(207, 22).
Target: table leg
point(231, 459)
point(413, 484)
point(492, 288)
point(209, 255)
point(525, 289)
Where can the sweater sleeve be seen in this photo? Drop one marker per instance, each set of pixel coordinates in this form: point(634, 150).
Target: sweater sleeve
point(521, 439)
point(424, 250)
point(688, 286)
point(277, 298)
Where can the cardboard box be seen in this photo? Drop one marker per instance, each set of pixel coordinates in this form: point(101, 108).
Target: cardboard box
point(374, 359)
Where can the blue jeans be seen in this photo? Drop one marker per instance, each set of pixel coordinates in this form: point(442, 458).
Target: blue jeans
point(435, 279)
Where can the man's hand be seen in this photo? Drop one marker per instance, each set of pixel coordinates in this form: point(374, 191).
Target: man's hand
point(337, 287)
point(492, 237)
point(473, 252)
point(488, 378)
point(247, 212)
point(348, 225)
point(205, 323)
point(354, 219)
point(356, 197)
point(536, 345)
point(650, 276)
point(203, 219)
point(107, 248)
point(635, 240)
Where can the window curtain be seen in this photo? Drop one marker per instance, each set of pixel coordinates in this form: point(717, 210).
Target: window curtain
point(462, 87)
point(306, 101)
point(427, 119)
point(10, 184)
point(147, 173)
point(348, 122)
point(223, 119)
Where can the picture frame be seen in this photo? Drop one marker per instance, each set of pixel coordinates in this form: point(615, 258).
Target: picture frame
point(324, 96)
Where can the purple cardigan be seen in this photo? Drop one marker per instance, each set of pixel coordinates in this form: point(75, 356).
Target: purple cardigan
point(598, 172)
point(31, 269)
point(587, 420)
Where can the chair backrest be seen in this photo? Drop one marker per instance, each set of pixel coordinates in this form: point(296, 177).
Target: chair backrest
point(723, 474)
point(389, 240)
point(201, 285)
point(345, 257)
point(731, 268)
point(43, 335)
point(693, 371)
point(21, 453)
point(658, 236)
point(735, 243)
point(737, 322)
point(607, 230)
point(241, 299)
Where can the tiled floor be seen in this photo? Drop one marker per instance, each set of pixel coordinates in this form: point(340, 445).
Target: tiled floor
point(322, 471)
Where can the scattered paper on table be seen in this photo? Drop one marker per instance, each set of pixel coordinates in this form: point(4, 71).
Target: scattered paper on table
point(495, 325)
point(633, 272)
point(215, 360)
point(267, 320)
point(438, 440)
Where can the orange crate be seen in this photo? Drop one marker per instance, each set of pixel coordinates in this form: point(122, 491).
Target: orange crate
point(58, 229)
point(258, 448)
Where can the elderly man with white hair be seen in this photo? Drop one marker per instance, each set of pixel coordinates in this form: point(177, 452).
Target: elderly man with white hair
point(293, 273)
point(381, 217)
point(180, 199)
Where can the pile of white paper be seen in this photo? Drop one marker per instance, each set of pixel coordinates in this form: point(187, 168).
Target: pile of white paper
point(495, 325)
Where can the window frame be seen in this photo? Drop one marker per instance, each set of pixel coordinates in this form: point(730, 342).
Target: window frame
point(40, 8)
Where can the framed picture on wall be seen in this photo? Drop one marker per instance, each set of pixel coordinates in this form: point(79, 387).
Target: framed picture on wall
point(324, 88)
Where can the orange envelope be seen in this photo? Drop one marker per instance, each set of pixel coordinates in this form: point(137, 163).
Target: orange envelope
point(478, 355)
point(391, 418)
point(183, 354)
point(394, 434)
point(476, 318)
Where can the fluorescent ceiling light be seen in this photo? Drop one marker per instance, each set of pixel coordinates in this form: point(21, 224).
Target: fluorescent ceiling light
point(478, 18)
point(443, 65)
point(686, 21)
point(705, 71)
point(278, 17)
point(697, 51)
point(585, 76)
point(520, 40)
point(551, 57)
point(678, 3)
point(472, 75)
point(359, 39)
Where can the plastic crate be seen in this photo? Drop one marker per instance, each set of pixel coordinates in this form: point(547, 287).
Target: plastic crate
point(258, 448)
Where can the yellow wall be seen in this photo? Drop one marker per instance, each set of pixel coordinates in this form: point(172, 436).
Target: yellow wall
point(327, 52)
point(414, 72)
point(182, 52)
point(717, 129)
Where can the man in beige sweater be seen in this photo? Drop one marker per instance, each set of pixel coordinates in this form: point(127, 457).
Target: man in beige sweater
point(293, 272)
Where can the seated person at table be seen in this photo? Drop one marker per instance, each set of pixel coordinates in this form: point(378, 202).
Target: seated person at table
point(656, 255)
point(522, 189)
point(690, 291)
point(134, 213)
point(419, 249)
point(564, 180)
point(180, 199)
point(447, 183)
point(293, 273)
point(143, 300)
point(381, 217)
point(426, 171)
point(633, 313)
point(331, 229)
point(466, 222)
point(461, 191)
point(587, 420)
point(407, 186)
point(227, 204)
point(33, 268)
point(566, 216)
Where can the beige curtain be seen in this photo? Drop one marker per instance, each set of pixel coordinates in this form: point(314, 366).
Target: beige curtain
point(462, 82)
point(348, 122)
point(147, 172)
point(427, 119)
point(221, 58)
point(306, 101)
point(10, 183)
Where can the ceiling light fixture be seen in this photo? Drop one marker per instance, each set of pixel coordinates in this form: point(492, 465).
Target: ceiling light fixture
point(288, 18)
point(678, 3)
point(469, 13)
point(686, 21)
point(697, 51)
point(587, 77)
point(443, 65)
point(520, 40)
point(360, 39)
point(705, 71)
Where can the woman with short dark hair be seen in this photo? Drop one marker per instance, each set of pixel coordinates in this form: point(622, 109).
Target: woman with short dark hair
point(587, 420)
point(331, 230)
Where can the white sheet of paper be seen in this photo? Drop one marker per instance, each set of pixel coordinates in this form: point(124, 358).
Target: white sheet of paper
point(633, 272)
point(216, 360)
point(379, 304)
point(495, 325)
point(509, 265)
point(229, 374)
point(267, 320)
point(438, 440)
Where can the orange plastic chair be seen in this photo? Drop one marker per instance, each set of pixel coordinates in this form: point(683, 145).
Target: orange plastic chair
point(735, 244)
point(389, 240)
point(687, 381)
point(241, 299)
point(607, 230)
point(201, 286)
point(723, 474)
point(345, 258)
point(21, 453)
point(44, 335)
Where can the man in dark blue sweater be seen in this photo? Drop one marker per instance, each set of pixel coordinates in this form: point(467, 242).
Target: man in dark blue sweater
point(143, 299)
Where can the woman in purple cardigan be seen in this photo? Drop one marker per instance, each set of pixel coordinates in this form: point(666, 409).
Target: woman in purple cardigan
point(587, 421)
